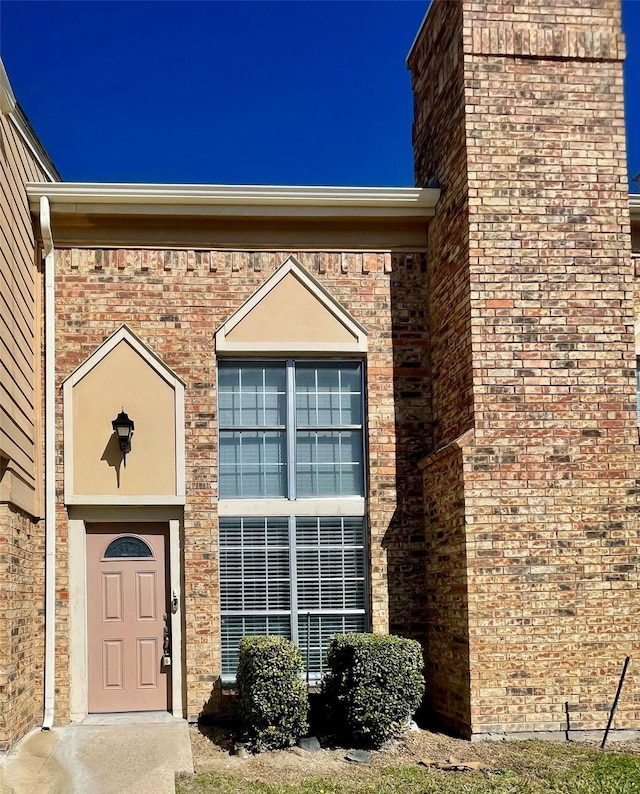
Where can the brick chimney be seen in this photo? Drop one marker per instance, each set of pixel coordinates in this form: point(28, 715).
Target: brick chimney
point(530, 488)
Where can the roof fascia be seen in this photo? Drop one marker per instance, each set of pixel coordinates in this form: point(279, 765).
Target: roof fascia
point(7, 98)
point(31, 140)
point(240, 200)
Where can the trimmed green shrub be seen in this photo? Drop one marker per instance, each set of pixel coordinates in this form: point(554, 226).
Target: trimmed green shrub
point(273, 695)
point(373, 686)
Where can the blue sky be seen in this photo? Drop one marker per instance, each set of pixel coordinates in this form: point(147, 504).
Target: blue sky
point(295, 92)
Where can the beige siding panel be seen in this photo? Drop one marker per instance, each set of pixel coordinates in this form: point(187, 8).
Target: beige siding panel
point(291, 314)
point(14, 224)
point(14, 230)
point(10, 391)
point(18, 377)
point(13, 187)
point(14, 453)
point(123, 379)
point(18, 278)
point(13, 241)
point(19, 338)
point(9, 252)
point(19, 306)
point(11, 394)
point(20, 430)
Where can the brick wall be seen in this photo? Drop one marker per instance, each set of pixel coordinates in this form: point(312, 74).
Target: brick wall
point(439, 145)
point(447, 645)
point(22, 624)
point(550, 478)
point(175, 300)
point(403, 540)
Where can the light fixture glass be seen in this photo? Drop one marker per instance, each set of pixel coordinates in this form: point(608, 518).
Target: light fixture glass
point(123, 427)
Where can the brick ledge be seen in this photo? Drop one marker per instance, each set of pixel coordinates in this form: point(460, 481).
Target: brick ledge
point(466, 439)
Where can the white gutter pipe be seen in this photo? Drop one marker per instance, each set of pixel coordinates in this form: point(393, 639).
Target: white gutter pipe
point(50, 466)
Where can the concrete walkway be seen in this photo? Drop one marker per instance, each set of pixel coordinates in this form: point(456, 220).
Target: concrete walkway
point(109, 754)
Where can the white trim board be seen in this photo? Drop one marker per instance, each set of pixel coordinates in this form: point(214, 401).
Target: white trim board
point(235, 195)
point(346, 506)
point(124, 500)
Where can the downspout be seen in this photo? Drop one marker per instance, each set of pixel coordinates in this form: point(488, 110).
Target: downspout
point(50, 466)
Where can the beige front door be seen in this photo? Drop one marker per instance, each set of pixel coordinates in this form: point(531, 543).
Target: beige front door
point(127, 605)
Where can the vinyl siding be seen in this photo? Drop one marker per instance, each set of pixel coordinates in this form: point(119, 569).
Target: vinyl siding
point(19, 323)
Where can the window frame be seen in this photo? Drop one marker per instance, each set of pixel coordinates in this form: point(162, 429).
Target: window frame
point(124, 537)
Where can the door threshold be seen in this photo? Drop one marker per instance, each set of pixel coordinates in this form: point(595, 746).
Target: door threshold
point(129, 718)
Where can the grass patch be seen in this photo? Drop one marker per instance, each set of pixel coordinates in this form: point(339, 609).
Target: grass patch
point(520, 768)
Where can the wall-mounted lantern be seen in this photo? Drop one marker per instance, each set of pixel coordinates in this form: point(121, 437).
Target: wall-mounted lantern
point(123, 427)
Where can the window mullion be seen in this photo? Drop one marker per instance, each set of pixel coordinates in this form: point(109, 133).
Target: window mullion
point(291, 430)
point(293, 578)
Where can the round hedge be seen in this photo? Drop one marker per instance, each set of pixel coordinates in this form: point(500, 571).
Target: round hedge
point(374, 685)
point(273, 696)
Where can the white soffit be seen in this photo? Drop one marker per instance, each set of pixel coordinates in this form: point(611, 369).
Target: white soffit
point(238, 200)
point(292, 266)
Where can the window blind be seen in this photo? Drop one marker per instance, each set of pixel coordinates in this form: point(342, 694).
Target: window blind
point(301, 578)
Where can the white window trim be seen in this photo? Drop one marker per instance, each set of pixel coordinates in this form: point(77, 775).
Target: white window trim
point(347, 506)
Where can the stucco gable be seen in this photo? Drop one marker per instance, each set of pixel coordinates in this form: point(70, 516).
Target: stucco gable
point(291, 312)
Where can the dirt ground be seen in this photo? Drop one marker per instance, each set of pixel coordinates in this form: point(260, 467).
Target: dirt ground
point(213, 752)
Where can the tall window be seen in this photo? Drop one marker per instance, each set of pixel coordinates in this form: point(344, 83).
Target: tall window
point(291, 432)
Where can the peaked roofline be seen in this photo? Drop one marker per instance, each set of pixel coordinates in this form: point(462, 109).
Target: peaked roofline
point(291, 266)
point(10, 107)
point(124, 334)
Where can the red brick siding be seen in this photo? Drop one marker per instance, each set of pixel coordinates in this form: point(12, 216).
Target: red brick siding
point(447, 647)
point(439, 146)
point(22, 624)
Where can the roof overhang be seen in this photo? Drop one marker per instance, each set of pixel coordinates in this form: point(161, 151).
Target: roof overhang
point(634, 207)
point(235, 200)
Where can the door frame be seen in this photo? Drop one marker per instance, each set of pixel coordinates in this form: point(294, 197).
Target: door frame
point(78, 629)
